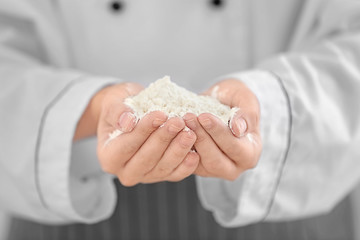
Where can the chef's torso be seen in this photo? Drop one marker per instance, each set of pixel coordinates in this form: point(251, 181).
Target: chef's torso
point(192, 41)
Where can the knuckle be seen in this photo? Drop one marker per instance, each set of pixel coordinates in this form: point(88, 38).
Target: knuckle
point(127, 181)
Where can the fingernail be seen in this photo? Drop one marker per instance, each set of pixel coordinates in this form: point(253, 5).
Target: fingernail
point(127, 121)
point(206, 123)
point(187, 140)
point(158, 122)
point(239, 127)
point(186, 129)
point(191, 124)
point(174, 129)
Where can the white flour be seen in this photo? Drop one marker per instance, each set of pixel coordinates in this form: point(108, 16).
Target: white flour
point(164, 95)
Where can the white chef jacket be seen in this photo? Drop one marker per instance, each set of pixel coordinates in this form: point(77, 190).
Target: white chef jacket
point(300, 58)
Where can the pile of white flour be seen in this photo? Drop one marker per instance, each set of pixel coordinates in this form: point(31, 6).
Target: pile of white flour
point(164, 95)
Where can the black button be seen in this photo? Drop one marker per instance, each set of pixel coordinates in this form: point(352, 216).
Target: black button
point(116, 6)
point(217, 3)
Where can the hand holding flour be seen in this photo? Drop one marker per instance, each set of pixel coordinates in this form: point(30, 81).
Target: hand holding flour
point(142, 151)
point(158, 147)
point(225, 152)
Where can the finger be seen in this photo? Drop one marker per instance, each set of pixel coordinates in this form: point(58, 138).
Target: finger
point(121, 120)
point(114, 114)
point(212, 158)
point(201, 170)
point(126, 145)
point(242, 150)
point(233, 93)
point(115, 120)
point(186, 167)
point(238, 125)
point(150, 153)
point(174, 155)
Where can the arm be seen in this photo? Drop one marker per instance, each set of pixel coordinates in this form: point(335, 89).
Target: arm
point(309, 157)
point(40, 107)
point(50, 113)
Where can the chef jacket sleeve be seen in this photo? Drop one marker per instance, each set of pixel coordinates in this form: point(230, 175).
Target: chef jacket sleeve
point(310, 124)
point(40, 106)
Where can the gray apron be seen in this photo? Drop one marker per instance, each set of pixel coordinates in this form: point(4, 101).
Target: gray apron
point(173, 211)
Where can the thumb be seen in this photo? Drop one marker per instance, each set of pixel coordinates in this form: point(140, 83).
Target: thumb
point(126, 122)
point(238, 125)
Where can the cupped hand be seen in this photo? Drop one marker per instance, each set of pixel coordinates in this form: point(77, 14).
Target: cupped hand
point(227, 151)
point(151, 150)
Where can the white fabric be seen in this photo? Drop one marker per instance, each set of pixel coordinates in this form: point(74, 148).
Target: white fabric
point(57, 129)
point(248, 198)
point(321, 77)
point(316, 76)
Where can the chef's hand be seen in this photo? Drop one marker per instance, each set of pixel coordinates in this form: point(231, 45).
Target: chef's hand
point(144, 152)
point(227, 151)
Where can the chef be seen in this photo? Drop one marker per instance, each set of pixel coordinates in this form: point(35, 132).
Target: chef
point(293, 68)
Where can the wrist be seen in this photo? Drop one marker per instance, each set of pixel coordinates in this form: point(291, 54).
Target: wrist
point(87, 124)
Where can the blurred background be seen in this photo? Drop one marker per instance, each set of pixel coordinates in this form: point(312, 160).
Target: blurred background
point(3, 225)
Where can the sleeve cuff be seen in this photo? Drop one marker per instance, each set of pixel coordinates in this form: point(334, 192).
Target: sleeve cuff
point(71, 197)
point(249, 198)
